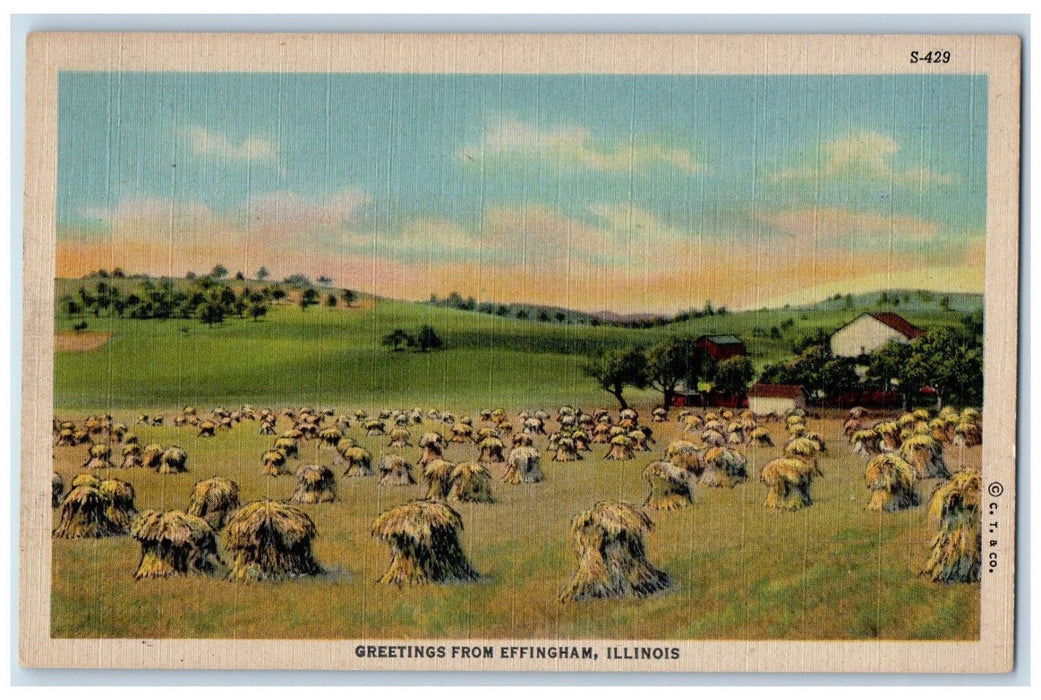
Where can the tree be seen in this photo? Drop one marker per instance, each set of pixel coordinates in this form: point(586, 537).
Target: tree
point(818, 371)
point(542, 316)
point(308, 298)
point(428, 339)
point(330, 300)
point(219, 271)
point(277, 293)
point(522, 314)
point(560, 316)
point(262, 273)
point(71, 306)
point(239, 276)
point(210, 313)
point(734, 374)
point(325, 280)
point(672, 360)
point(396, 339)
point(349, 297)
point(616, 369)
point(257, 310)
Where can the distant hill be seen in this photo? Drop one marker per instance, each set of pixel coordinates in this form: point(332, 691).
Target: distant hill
point(910, 300)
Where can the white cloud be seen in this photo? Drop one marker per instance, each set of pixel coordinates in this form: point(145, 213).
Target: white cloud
point(152, 211)
point(865, 155)
point(287, 207)
point(252, 148)
point(573, 145)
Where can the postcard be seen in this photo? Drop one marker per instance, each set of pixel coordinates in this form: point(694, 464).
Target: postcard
point(520, 352)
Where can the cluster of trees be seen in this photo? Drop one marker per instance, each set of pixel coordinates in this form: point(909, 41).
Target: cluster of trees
point(207, 299)
point(947, 359)
point(424, 340)
point(664, 366)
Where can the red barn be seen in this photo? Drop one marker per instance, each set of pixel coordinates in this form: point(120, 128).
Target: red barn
point(722, 347)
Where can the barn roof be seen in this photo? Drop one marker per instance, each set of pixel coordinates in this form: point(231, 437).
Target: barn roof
point(776, 391)
point(722, 339)
point(898, 323)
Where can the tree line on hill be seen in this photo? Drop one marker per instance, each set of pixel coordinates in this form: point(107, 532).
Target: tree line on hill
point(543, 314)
point(209, 298)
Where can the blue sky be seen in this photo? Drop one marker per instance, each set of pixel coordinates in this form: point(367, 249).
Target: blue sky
point(378, 179)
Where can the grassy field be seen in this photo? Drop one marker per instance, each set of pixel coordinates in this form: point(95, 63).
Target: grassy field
point(740, 571)
point(333, 356)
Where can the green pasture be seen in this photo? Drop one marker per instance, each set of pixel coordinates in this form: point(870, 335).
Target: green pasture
point(334, 356)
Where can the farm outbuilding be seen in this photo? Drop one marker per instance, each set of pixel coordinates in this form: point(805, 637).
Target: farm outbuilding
point(722, 347)
point(776, 398)
point(870, 331)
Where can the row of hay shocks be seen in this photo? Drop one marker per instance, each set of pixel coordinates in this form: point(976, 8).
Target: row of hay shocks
point(608, 537)
point(905, 452)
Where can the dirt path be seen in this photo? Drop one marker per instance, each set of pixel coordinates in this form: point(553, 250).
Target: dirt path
point(85, 341)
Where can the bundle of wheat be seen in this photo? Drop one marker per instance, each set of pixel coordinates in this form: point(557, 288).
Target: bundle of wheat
point(802, 448)
point(57, 490)
point(522, 466)
point(566, 451)
point(602, 433)
point(967, 435)
point(131, 457)
point(621, 448)
point(173, 461)
point(433, 445)
point(760, 437)
point(214, 500)
point(462, 433)
point(84, 514)
point(712, 438)
point(400, 437)
point(925, 454)
point(423, 537)
point(274, 463)
point(120, 508)
point(670, 486)
point(788, 483)
point(314, 484)
point(891, 481)
point(268, 540)
point(522, 440)
point(956, 549)
point(889, 431)
point(99, 457)
point(491, 450)
point(612, 561)
point(724, 467)
point(330, 437)
point(438, 475)
point(174, 544)
point(395, 471)
point(686, 456)
point(357, 461)
point(471, 483)
point(866, 443)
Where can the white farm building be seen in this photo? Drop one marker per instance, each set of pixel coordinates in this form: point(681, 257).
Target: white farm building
point(868, 332)
point(775, 398)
